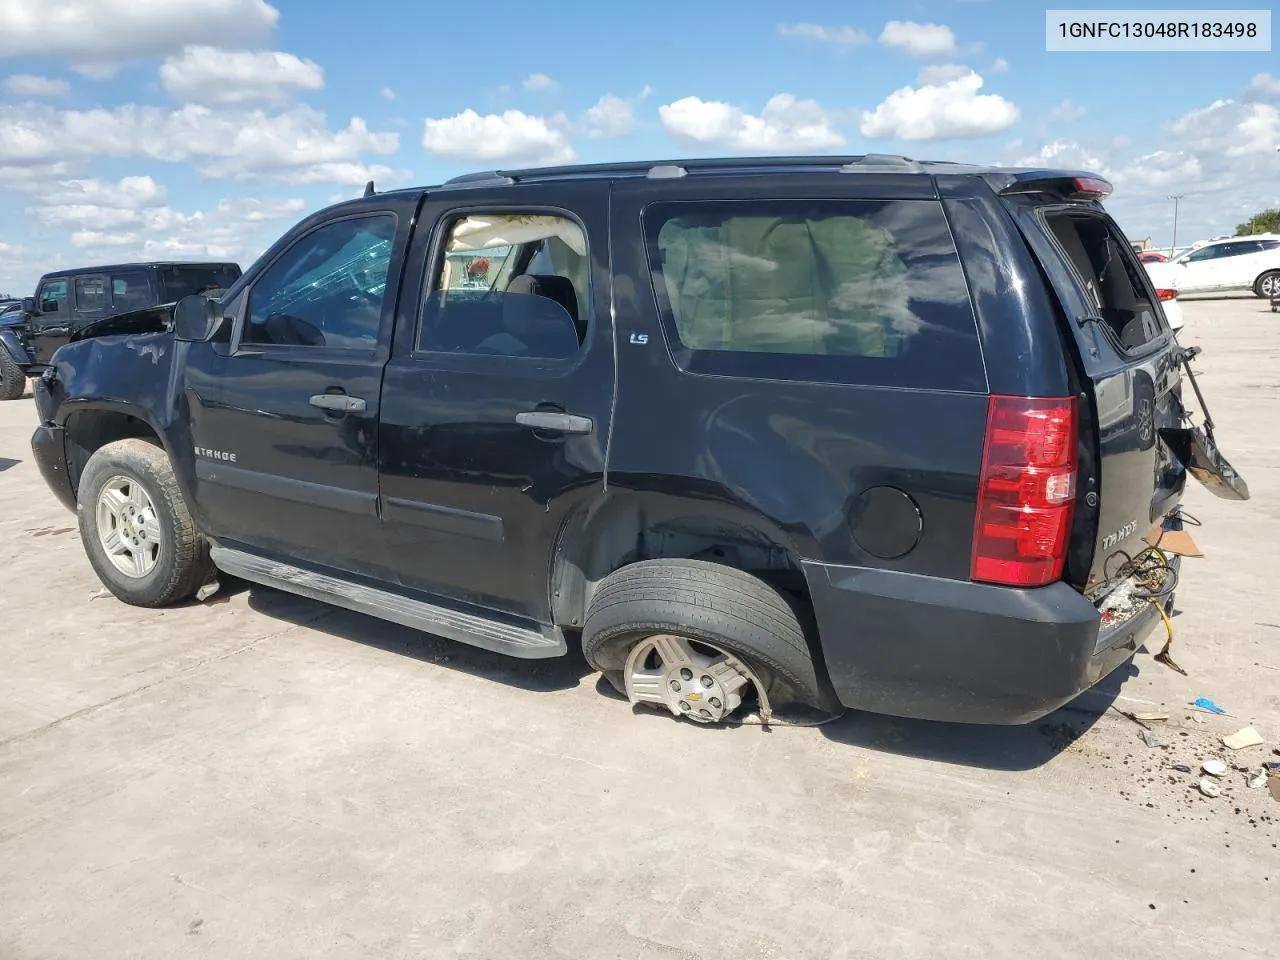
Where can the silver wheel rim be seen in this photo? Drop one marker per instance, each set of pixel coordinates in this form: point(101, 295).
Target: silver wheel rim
point(1146, 421)
point(690, 678)
point(1270, 285)
point(128, 527)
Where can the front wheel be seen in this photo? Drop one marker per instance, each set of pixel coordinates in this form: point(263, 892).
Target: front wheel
point(13, 381)
point(698, 640)
point(136, 528)
point(1268, 285)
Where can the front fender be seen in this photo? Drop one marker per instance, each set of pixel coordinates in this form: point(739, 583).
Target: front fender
point(12, 342)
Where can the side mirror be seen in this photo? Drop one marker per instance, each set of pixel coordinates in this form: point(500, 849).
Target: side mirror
point(29, 305)
point(197, 318)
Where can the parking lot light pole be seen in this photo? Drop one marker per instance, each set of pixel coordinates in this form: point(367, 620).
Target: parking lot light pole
point(1175, 197)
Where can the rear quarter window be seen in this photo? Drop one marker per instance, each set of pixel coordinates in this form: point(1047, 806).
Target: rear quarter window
point(836, 291)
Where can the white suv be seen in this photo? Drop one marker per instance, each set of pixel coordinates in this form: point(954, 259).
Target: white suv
point(1238, 263)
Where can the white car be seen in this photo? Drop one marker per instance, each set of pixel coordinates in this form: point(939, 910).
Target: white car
point(1237, 263)
point(1165, 277)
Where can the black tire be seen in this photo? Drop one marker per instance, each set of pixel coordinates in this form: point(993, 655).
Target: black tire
point(182, 563)
point(13, 380)
point(1270, 275)
point(704, 601)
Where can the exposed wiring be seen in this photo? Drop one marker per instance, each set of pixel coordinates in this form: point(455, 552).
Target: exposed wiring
point(1163, 656)
point(1152, 572)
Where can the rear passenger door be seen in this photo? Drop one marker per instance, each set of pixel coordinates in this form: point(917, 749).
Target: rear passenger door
point(496, 403)
point(92, 299)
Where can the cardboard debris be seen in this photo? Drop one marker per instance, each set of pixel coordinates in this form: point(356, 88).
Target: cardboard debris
point(1174, 541)
point(1246, 737)
point(1273, 786)
point(1151, 717)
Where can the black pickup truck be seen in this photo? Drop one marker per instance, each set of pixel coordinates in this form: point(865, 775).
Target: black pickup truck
point(856, 431)
point(68, 302)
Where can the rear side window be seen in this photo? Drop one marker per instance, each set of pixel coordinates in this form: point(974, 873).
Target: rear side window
point(1108, 275)
point(91, 294)
point(179, 282)
point(835, 291)
point(130, 290)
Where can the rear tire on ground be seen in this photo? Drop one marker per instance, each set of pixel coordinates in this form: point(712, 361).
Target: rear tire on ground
point(1268, 285)
point(710, 604)
point(136, 528)
point(13, 381)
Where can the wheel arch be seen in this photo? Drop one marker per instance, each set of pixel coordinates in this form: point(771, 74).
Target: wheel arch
point(89, 425)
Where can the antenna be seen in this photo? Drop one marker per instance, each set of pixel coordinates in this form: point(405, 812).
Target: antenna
point(368, 189)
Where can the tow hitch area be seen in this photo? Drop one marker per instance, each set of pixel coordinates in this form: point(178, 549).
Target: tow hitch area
point(1196, 449)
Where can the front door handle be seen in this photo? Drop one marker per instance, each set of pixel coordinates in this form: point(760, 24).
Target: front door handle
point(338, 403)
point(555, 422)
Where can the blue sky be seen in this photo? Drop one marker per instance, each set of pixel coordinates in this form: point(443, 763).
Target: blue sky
point(205, 128)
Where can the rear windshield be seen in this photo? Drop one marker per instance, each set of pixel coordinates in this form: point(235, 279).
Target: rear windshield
point(1109, 275)
point(179, 282)
point(837, 291)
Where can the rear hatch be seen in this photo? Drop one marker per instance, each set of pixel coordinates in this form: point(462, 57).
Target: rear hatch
point(1129, 371)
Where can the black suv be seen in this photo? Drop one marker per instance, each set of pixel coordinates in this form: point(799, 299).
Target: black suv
point(858, 431)
point(68, 301)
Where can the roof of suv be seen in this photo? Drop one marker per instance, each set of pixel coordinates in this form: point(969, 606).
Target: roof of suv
point(737, 166)
point(143, 265)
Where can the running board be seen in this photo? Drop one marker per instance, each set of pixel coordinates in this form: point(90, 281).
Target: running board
point(513, 640)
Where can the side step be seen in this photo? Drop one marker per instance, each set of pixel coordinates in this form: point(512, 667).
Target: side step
point(513, 640)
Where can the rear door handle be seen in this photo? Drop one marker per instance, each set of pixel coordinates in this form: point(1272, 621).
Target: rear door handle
point(338, 403)
point(555, 422)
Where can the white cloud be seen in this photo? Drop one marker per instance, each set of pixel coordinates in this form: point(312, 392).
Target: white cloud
point(99, 238)
point(999, 65)
point(109, 31)
point(388, 94)
point(11, 249)
point(224, 143)
point(1263, 86)
point(251, 210)
point(939, 73)
point(126, 193)
point(919, 39)
point(1160, 170)
point(843, 36)
point(1067, 112)
point(540, 83)
point(1231, 128)
point(941, 111)
point(353, 174)
point(507, 136)
point(30, 85)
point(612, 116)
point(213, 75)
point(1066, 155)
point(785, 123)
point(104, 70)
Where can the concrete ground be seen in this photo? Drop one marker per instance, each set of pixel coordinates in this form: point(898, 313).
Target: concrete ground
point(263, 776)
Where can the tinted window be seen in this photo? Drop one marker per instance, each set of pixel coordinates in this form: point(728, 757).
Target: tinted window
point(866, 292)
point(1109, 276)
point(1205, 253)
point(183, 281)
point(130, 290)
point(327, 290)
point(1269, 244)
point(509, 285)
point(91, 294)
point(53, 296)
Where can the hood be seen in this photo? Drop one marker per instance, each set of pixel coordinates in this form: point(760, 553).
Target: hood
point(156, 319)
point(10, 318)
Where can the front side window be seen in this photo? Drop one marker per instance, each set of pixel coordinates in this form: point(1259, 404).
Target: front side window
point(837, 291)
point(508, 285)
point(327, 290)
point(53, 297)
point(1204, 253)
point(91, 294)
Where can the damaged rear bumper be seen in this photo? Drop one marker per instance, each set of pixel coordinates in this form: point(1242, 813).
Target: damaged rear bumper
point(936, 649)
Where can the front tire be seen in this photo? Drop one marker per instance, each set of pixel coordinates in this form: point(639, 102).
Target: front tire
point(13, 381)
point(659, 618)
point(136, 528)
point(1268, 285)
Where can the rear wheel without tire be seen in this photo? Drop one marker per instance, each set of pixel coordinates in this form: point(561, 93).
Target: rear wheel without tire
point(136, 528)
point(1268, 285)
point(13, 382)
point(697, 639)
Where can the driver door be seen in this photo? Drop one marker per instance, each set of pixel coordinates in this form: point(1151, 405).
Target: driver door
point(284, 420)
point(50, 328)
point(1198, 270)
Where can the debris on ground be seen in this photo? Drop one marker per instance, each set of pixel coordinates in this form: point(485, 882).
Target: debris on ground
point(1209, 788)
point(207, 591)
point(1204, 703)
point(1214, 768)
point(1151, 717)
point(1273, 785)
point(1257, 781)
point(1152, 741)
point(1245, 737)
point(1182, 767)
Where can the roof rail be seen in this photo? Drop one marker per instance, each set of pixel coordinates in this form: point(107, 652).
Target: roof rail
point(481, 179)
point(881, 162)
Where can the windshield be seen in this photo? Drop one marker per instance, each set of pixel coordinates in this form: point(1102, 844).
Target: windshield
point(179, 282)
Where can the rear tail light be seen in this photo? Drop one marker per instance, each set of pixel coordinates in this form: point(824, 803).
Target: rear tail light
point(1166, 294)
point(1026, 492)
